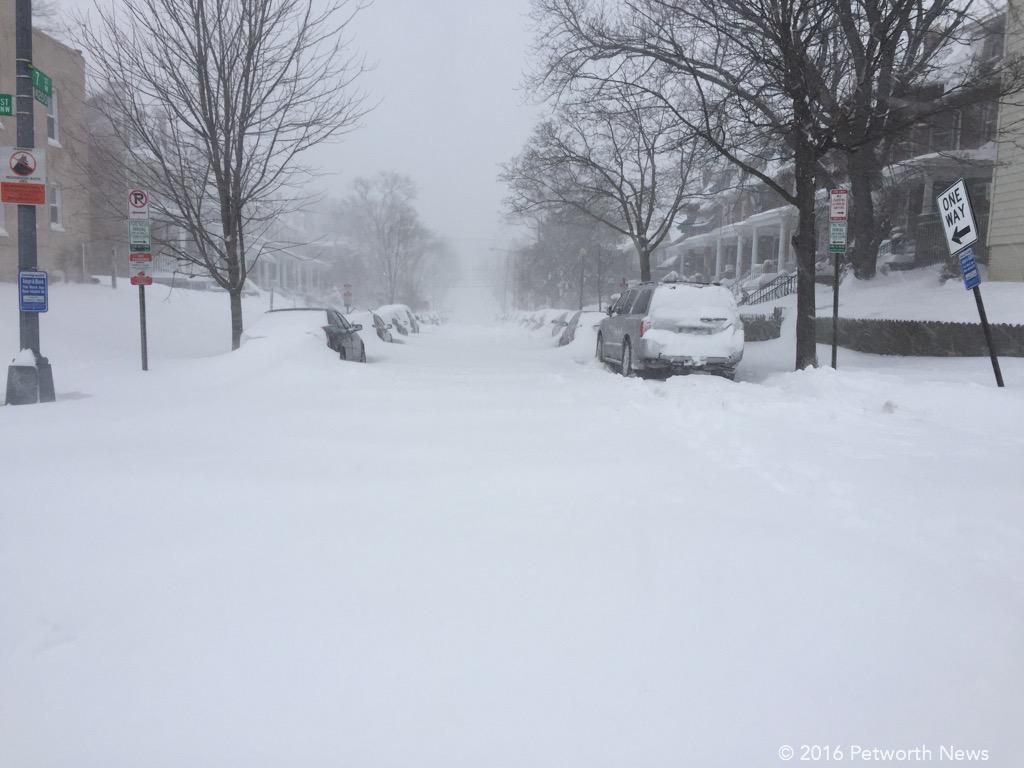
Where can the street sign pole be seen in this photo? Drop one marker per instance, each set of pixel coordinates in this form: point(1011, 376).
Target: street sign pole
point(838, 214)
point(957, 216)
point(140, 257)
point(988, 336)
point(28, 322)
point(142, 327)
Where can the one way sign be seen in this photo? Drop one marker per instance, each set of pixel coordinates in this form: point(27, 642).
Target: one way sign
point(957, 217)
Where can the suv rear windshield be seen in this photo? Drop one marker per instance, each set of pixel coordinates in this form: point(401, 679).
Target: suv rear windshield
point(671, 298)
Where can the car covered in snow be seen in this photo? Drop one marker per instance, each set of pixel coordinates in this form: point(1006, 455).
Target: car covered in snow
point(339, 334)
point(368, 319)
point(580, 319)
point(673, 327)
point(401, 317)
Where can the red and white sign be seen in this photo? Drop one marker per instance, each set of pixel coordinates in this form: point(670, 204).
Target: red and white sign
point(140, 265)
point(22, 176)
point(138, 204)
point(838, 204)
point(17, 193)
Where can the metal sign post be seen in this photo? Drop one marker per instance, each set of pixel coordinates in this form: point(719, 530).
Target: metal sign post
point(961, 228)
point(140, 257)
point(23, 175)
point(838, 209)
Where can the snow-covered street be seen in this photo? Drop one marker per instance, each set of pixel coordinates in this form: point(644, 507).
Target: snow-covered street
point(479, 550)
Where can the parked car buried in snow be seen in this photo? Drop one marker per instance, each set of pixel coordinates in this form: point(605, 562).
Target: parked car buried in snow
point(401, 317)
point(369, 319)
point(340, 335)
point(676, 327)
point(579, 319)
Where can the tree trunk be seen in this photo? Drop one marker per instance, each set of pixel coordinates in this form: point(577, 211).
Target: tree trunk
point(645, 262)
point(865, 232)
point(236, 317)
point(805, 244)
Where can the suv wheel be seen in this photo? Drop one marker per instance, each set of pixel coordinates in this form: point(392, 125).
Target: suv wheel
point(599, 350)
point(627, 359)
point(341, 353)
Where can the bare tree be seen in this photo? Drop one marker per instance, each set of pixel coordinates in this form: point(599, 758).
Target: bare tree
point(756, 74)
point(908, 62)
point(612, 154)
point(386, 227)
point(214, 103)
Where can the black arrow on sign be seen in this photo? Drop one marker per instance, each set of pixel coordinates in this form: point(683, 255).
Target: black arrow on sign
point(959, 233)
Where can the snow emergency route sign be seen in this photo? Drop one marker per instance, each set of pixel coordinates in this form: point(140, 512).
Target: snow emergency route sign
point(958, 222)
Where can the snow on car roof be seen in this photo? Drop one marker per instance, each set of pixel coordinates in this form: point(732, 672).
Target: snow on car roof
point(668, 296)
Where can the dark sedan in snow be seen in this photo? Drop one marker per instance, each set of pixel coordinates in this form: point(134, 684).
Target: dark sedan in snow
point(341, 335)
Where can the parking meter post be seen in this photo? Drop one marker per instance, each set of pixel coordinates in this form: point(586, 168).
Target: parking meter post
point(142, 326)
point(988, 336)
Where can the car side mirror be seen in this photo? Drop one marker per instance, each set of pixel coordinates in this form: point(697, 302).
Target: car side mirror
point(357, 327)
point(610, 311)
point(388, 327)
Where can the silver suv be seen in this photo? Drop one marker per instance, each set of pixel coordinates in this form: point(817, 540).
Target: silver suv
point(672, 327)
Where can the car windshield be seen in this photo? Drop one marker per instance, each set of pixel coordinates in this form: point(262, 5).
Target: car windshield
point(321, 323)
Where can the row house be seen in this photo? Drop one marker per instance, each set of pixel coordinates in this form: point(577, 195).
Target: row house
point(742, 231)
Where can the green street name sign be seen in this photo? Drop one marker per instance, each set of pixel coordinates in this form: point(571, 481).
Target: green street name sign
point(42, 86)
point(6, 105)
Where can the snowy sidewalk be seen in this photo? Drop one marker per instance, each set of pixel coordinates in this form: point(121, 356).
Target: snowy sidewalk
point(481, 552)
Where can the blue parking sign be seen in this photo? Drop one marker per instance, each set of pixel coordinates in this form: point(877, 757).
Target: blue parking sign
point(969, 269)
point(33, 291)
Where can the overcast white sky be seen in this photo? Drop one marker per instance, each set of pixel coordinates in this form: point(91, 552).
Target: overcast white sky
point(448, 78)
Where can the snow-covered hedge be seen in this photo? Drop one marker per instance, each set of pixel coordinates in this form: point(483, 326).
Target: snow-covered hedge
point(921, 337)
point(762, 327)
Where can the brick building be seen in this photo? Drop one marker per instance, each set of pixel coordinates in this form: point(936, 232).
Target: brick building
point(63, 224)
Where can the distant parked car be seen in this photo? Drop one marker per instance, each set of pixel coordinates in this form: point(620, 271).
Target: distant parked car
point(675, 327)
point(398, 320)
point(400, 314)
point(368, 319)
point(578, 320)
point(340, 335)
point(559, 322)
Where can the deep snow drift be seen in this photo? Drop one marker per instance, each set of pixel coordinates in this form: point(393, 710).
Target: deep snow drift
point(480, 550)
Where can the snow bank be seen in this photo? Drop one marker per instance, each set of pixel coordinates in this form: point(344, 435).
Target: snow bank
point(914, 295)
point(481, 553)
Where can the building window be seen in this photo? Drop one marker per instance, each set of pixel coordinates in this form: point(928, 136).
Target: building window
point(56, 201)
point(53, 119)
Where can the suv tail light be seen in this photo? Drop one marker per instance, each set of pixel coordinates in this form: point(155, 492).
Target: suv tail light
point(645, 326)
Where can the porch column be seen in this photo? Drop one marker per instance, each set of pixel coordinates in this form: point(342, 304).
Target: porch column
point(783, 244)
point(739, 250)
point(926, 195)
point(755, 259)
point(718, 253)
